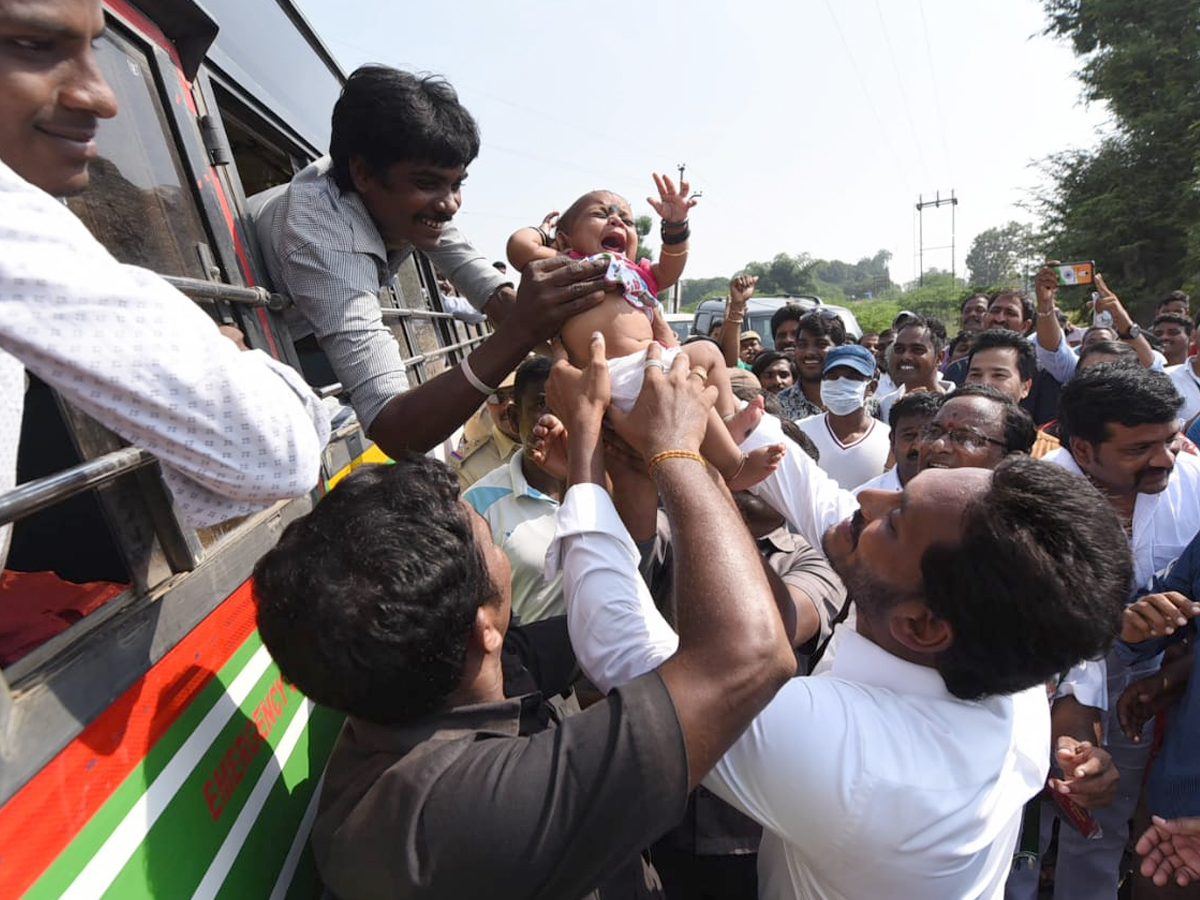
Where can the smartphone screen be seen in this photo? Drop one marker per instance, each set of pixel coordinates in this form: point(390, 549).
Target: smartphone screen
point(1076, 272)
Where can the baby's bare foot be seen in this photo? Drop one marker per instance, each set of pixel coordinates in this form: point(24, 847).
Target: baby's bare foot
point(755, 466)
point(743, 422)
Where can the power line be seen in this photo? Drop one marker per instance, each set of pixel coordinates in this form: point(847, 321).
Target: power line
point(937, 103)
point(903, 96)
point(866, 95)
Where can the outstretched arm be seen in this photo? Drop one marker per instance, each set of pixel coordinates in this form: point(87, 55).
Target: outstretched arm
point(532, 242)
point(552, 290)
point(741, 289)
point(733, 653)
point(672, 206)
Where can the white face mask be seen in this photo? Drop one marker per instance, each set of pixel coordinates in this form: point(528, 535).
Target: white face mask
point(843, 396)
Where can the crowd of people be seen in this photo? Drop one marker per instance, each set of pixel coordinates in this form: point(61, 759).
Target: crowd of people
point(890, 618)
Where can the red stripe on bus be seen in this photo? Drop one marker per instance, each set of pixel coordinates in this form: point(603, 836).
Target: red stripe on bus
point(45, 815)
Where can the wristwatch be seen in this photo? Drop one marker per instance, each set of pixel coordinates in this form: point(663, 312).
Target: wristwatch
point(1134, 332)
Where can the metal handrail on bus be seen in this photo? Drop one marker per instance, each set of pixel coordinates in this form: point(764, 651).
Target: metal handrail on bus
point(198, 289)
point(443, 351)
point(34, 496)
point(403, 312)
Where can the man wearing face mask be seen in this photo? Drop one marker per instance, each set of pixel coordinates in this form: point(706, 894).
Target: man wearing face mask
point(854, 446)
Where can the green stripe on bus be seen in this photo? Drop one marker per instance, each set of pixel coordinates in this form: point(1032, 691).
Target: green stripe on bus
point(262, 854)
point(173, 857)
point(186, 826)
point(58, 877)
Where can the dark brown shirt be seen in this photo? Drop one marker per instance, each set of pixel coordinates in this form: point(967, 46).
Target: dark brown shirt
point(500, 800)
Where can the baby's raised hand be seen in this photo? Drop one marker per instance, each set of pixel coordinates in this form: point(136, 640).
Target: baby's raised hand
point(672, 205)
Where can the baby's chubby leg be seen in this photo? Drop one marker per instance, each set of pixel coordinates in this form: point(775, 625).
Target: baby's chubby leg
point(720, 446)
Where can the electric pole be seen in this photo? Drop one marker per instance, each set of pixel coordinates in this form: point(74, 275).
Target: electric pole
point(936, 203)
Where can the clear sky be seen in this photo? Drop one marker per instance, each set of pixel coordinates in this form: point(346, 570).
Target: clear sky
point(809, 126)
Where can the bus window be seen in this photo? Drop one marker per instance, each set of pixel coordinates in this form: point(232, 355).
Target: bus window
point(139, 203)
point(260, 162)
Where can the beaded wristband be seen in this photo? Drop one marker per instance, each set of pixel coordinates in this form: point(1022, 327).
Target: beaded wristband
point(677, 238)
point(673, 454)
point(474, 379)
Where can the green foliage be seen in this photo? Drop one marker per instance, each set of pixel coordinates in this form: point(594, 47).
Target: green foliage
point(1001, 258)
point(643, 224)
point(697, 289)
point(939, 296)
point(785, 275)
point(1131, 203)
point(867, 278)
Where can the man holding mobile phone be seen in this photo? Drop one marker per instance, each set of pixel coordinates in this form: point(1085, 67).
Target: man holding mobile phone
point(1054, 353)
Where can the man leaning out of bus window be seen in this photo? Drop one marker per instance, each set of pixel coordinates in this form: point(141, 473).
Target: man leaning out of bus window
point(235, 431)
point(340, 230)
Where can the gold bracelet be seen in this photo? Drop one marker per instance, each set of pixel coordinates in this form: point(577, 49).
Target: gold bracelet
point(673, 454)
point(738, 321)
point(1046, 315)
point(669, 253)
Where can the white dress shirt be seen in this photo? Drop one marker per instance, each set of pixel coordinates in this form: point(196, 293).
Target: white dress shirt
point(1187, 383)
point(872, 782)
point(1163, 523)
point(888, 481)
point(235, 431)
point(799, 489)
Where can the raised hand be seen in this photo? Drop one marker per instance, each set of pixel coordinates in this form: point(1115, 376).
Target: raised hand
point(549, 448)
point(579, 397)
point(741, 289)
point(672, 205)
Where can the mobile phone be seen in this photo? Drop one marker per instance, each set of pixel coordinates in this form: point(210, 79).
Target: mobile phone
point(1076, 272)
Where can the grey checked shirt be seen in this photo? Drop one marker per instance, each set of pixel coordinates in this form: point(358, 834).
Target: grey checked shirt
point(322, 249)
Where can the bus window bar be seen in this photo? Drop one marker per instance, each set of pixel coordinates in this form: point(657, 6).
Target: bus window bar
point(443, 351)
point(199, 289)
point(34, 496)
point(393, 312)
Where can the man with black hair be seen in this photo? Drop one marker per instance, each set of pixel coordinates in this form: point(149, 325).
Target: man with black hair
point(975, 427)
point(519, 500)
point(810, 335)
point(1008, 362)
point(1186, 375)
point(1174, 332)
point(1174, 302)
point(906, 419)
point(1119, 427)
point(919, 754)
point(338, 233)
point(452, 778)
point(913, 362)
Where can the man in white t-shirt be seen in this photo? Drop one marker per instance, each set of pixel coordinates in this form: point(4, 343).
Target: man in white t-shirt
point(854, 446)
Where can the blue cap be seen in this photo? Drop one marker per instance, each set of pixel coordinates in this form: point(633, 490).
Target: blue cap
point(857, 358)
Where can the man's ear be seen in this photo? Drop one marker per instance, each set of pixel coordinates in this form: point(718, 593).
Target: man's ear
point(360, 173)
point(1026, 387)
point(511, 414)
point(486, 631)
point(1083, 452)
point(914, 625)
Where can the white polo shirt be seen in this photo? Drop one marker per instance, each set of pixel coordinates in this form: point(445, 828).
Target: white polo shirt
point(522, 522)
point(853, 463)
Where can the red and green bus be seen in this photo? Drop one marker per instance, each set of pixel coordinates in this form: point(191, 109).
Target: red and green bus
point(148, 746)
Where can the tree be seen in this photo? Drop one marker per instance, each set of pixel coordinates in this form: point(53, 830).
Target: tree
point(999, 257)
point(1131, 203)
point(643, 224)
point(785, 275)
